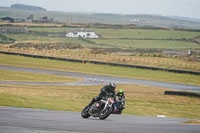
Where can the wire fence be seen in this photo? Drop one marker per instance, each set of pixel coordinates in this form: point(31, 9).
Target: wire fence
point(121, 59)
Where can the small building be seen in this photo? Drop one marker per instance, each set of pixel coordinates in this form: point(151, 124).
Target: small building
point(7, 19)
point(29, 19)
point(189, 51)
point(13, 20)
point(43, 20)
point(82, 33)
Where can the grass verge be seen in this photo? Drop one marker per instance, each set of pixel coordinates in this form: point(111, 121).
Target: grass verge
point(11, 60)
point(140, 100)
point(192, 122)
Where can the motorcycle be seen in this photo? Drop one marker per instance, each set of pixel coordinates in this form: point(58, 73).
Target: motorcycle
point(101, 109)
point(118, 107)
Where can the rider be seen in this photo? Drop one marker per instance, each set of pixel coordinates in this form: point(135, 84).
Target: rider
point(121, 97)
point(107, 90)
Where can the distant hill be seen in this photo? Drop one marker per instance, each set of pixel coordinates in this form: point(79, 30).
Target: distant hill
point(150, 20)
point(102, 18)
point(27, 7)
point(184, 18)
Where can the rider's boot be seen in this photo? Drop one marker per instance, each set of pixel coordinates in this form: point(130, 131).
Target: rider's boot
point(91, 102)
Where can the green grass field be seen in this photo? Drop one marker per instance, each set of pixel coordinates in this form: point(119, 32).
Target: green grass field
point(109, 43)
point(38, 38)
point(99, 69)
point(128, 33)
point(123, 38)
point(137, 42)
point(156, 44)
point(140, 100)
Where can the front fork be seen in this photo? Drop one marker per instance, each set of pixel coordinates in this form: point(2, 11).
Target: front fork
point(107, 104)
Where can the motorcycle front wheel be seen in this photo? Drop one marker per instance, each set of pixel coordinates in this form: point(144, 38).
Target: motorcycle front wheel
point(85, 113)
point(105, 113)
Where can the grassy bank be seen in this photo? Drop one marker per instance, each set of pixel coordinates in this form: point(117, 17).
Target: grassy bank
point(110, 42)
point(151, 60)
point(8, 75)
point(140, 100)
point(99, 69)
point(127, 33)
point(192, 122)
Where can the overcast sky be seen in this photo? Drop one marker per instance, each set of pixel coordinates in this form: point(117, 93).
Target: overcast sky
point(184, 8)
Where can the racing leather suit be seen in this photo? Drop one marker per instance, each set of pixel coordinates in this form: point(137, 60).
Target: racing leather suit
point(106, 91)
point(121, 97)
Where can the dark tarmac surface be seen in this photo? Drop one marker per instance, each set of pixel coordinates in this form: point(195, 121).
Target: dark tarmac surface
point(23, 120)
point(92, 79)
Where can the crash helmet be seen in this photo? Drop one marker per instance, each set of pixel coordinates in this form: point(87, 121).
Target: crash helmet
point(112, 86)
point(121, 91)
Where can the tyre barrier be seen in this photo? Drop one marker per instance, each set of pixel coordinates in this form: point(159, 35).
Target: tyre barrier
point(182, 93)
point(103, 63)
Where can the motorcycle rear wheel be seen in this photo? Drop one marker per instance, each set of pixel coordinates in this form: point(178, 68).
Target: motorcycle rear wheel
point(85, 113)
point(120, 111)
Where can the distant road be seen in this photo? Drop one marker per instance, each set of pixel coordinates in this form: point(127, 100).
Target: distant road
point(24, 120)
point(92, 79)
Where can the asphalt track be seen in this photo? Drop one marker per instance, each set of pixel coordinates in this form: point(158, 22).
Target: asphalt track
point(23, 120)
point(92, 79)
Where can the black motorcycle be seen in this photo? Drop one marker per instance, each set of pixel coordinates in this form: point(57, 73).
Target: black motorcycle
point(101, 109)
